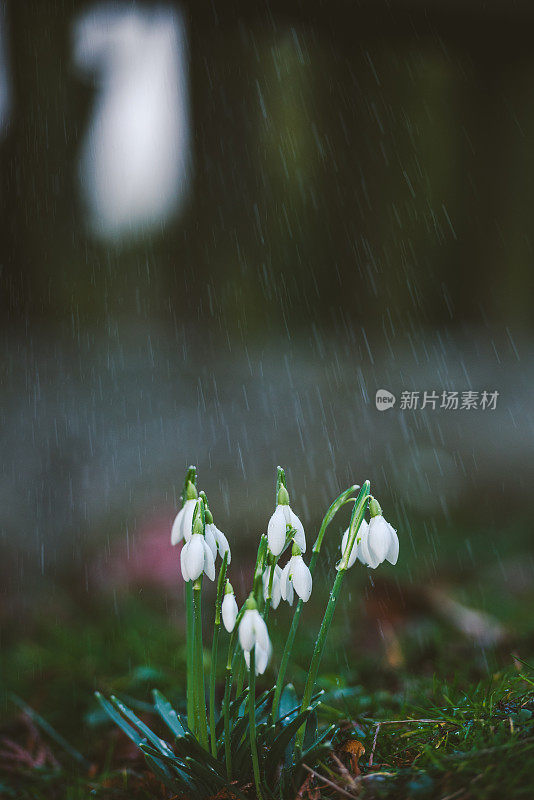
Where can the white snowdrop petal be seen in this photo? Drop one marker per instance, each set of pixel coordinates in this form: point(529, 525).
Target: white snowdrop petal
point(246, 631)
point(183, 562)
point(299, 537)
point(210, 539)
point(186, 527)
point(176, 530)
point(363, 550)
point(261, 632)
point(285, 583)
point(302, 579)
point(229, 612)
point(378, 538)
point(261, 659)
point(276, 593)
point(392, 554)
point(222, 544)
point(353, 552)
point(361, 539)
point(290, 594)
point(195, 556)
point(209, 561)
point(276, 531)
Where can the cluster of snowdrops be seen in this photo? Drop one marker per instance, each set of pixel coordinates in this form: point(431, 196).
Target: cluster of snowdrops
point(258, 740)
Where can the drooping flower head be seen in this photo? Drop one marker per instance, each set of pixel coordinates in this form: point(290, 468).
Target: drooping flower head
point(355, 552)
point(296, 576)
point(283, 519)
point(229, 608)
point(380, 541)
point(217, 541)
point(275, 588)
point(196, 556)
point(182, 526)
point(253, 633)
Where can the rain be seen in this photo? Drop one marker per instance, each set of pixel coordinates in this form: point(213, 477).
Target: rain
point(246, 235)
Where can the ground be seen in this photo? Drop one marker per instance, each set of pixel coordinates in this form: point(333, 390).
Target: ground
point(432, 675)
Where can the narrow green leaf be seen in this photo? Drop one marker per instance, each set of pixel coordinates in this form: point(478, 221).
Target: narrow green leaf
point(283, 739)
point(119, 720)
point(288, 702)
point(160, 744)
point(168, 714)
point(310, 735)
point(172, 782)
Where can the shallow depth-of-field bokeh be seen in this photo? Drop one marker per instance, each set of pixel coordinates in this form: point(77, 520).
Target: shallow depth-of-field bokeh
point(339, 201)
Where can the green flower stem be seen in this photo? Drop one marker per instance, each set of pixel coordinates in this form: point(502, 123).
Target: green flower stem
point(269, 591)
point(189, 492)
point(214, 651)
point(190, 622)
point(200, 698)
point(252, 722)
point(238, 672)
point(355, 522)
point(257, 589)
point(227, 690)
point(235, 664)
point(329, 516)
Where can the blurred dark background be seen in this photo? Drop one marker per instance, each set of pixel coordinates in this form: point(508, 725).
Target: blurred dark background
point(356, 214)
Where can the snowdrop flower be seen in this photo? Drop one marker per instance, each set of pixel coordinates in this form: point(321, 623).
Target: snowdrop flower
point(297, 576)
point(217, 541)
point(253, 633)
point(182, 527)
point(275, 589)
point(380, 542)
point(261, 659)
point(229, 608)
point(196, 555)
point(279, 522)
point(196, 558)
point(355, 552)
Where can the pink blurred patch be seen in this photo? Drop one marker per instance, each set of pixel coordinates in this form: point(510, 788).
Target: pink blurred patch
point(143, 558)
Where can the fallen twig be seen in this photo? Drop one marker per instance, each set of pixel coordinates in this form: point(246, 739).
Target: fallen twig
point(329, 782)
point(378, 724)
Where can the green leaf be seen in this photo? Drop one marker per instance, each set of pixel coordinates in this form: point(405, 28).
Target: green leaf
point(168, 714)
point(233, 711)
point(282, 721)
point(160, 744)
point(211, 778)
point(283, 739)
point(310, 735)
point(189, 746)
point(323, 740)
point(172, 782)
point(119, 720)
point(288, 702)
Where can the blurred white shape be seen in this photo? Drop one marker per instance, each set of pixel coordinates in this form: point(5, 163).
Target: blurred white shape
point(135, 159)
point(5, 90)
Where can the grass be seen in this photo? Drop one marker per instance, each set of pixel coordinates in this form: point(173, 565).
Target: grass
point(438, 715)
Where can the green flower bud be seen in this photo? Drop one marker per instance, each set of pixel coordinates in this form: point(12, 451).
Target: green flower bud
point(191, 491)
point(250, 603)
point(283, 496)
point(374, 508)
